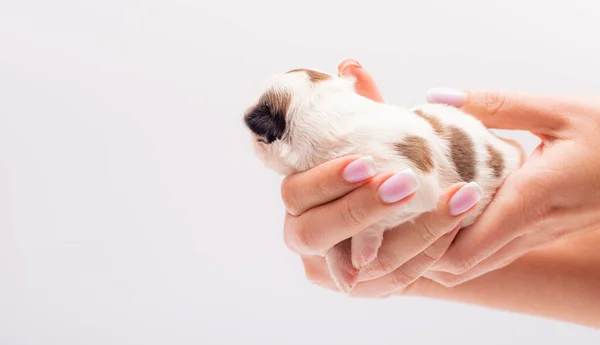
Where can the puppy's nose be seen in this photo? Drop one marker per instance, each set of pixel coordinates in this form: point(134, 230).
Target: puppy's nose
point(265, 123)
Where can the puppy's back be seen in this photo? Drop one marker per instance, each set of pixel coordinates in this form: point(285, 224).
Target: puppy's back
point(471, 151)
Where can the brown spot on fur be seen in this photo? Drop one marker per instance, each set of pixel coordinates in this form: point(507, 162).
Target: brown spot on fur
point(462, 151)
point(514, 144)
point(438, 127)
point(495, 161)
point(315, 76)
point(416, 149)
point(278, 101)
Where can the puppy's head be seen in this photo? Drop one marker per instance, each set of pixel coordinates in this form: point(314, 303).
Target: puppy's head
point(295, 118)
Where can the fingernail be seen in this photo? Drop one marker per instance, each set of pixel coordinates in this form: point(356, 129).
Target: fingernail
point(399, 186)
point(452, 97)
point(465, 198)
point(353, 62)
point(348, 63)
point(359, 170)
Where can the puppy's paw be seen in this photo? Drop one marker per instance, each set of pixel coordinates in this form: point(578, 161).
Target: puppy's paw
point(365, 246)
point(340, 267)
point(364, 256)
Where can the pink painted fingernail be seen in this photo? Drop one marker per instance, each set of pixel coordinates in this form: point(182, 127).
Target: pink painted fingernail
point(465, 198)
point(452, 97)
point(359, 170)
point(398, 186)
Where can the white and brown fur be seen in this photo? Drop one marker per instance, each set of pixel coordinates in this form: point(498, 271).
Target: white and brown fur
point(306, 117)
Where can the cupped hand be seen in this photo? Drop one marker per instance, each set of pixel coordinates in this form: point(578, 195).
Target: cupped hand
point(330, 203)
point(555, 194)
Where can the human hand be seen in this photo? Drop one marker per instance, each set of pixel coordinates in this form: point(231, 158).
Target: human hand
point(554, 195)
point(327, 205)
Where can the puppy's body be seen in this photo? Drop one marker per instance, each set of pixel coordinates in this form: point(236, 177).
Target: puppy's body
point(307, 117)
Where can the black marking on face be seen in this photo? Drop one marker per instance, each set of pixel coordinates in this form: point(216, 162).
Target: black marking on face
point(266, 122)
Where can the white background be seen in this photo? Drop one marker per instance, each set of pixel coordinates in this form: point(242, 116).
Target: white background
point(132, 210)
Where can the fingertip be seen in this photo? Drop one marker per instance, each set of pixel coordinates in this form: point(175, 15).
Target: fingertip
point(449, 96)
point(457, 202)
point(365, 85)
point(359, 169)
point(342, 67)
point(398, 187)
point(465, 199)
point(450, 191)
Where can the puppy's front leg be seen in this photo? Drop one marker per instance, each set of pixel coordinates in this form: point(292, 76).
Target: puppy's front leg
point(365, 246)
point(340, 266)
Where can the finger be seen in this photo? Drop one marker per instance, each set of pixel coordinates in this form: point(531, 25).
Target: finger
point(320, 228)
point(505, 256)
point(365, 85)
point(549, 231)
point(506, 110)
point(505, 218)
point(420, 287)
point(406, 274)
point(323, 183)
point(410, 239)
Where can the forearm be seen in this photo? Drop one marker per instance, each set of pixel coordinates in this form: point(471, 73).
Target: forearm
point(560, 282)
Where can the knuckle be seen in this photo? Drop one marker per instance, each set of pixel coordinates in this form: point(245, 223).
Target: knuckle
point(494, 101)
point(401, 279)
point(540, 226)
point(312, 274)
point(432, 254)
point(298, 237)
point(320, 189)
point(449, 281)
point(536, 202)
point(289, 199)
point(304, 239)
point(538, 178)
point(385, 263)
point(463, 265)
point(352, 212)
point(414, 287)
point(547, 230)
point(287, 236)
point(427, 232)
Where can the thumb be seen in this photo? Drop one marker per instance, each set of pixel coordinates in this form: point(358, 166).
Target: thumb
point(505, 110)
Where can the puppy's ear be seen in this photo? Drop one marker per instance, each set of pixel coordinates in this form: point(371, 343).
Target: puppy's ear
point(268, 118)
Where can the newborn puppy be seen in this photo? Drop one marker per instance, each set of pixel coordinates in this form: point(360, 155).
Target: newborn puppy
point(306, 117)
